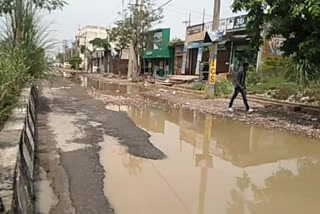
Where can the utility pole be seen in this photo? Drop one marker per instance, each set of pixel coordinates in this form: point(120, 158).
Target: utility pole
point(213, 51)
point(141, 63)
point(136, 64)
point(65, 47)
point(189, 19)
point(122, 9)
point(204, 14)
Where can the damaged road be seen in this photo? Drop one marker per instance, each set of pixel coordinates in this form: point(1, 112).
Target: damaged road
point(71, 126)
point(110, 148)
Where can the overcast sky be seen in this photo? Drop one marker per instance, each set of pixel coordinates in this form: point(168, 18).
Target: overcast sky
point(79, 13)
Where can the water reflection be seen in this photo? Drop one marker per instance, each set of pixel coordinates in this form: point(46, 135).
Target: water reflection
point(204, 161)
point(108, 86)
point(285, 191)
point(242, 145)
point(130, 162)
point(213, 166)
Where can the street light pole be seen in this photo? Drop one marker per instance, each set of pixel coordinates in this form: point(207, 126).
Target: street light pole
point(213, 51)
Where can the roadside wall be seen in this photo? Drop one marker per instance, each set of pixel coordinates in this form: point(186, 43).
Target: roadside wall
point(17, 157)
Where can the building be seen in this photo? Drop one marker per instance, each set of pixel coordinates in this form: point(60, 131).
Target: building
point(178, 57)
point(233, 49)
point(84, 37)
point(99, 59)
point(159, 57)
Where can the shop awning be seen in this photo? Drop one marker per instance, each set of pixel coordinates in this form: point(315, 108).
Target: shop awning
point(214, 36)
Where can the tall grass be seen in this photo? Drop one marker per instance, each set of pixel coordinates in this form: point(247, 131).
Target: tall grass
point(12, 77)
point(22, 62)
point(302, 72)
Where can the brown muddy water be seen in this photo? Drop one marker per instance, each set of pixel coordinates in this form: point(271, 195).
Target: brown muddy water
point(108, 87)
point(213, 166)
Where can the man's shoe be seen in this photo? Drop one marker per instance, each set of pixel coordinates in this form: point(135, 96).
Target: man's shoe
point(250, 111)
point(230, 109)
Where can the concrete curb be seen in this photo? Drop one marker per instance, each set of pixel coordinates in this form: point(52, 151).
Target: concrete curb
point(17, 156)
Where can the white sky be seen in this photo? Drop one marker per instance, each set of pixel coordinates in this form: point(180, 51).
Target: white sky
point(65, 23)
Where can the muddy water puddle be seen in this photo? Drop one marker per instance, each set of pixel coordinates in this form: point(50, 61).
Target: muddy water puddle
point(213, 166)
point(108, 86)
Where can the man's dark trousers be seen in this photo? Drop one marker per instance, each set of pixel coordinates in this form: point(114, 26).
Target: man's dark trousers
point(244, 96)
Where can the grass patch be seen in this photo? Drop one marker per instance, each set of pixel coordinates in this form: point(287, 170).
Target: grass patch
point(276, 85)
point(224, 89)
point(272, 83)
point(199, 87)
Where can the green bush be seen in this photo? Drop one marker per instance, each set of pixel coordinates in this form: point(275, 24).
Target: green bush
point(284, 91)
point(12, 76)
point(224, 88)
point(21, 61)
point(313, 91)
point(253, 77)
point(272, 83)
point(221, 89)
point(199, 87)
point(301, 71)
point(264, 85)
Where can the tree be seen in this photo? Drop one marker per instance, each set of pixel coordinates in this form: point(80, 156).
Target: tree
point(75, 62)
point(101, 43)
point(7, 6)
point(140, 20)
point(119, 36)
point(295, 20)
point(16, 9)
point(175, 41)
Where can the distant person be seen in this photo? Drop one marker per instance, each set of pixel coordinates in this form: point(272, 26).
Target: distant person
point(241, 88)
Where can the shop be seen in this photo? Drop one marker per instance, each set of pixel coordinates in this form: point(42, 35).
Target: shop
point(224, 51)
point(233, 47)
point(159, 64)
point(158, 59)
point(178, 57)
point(193, 50)
point(241, 51)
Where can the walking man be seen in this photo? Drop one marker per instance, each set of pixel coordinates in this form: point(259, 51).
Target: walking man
point(241, 88)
